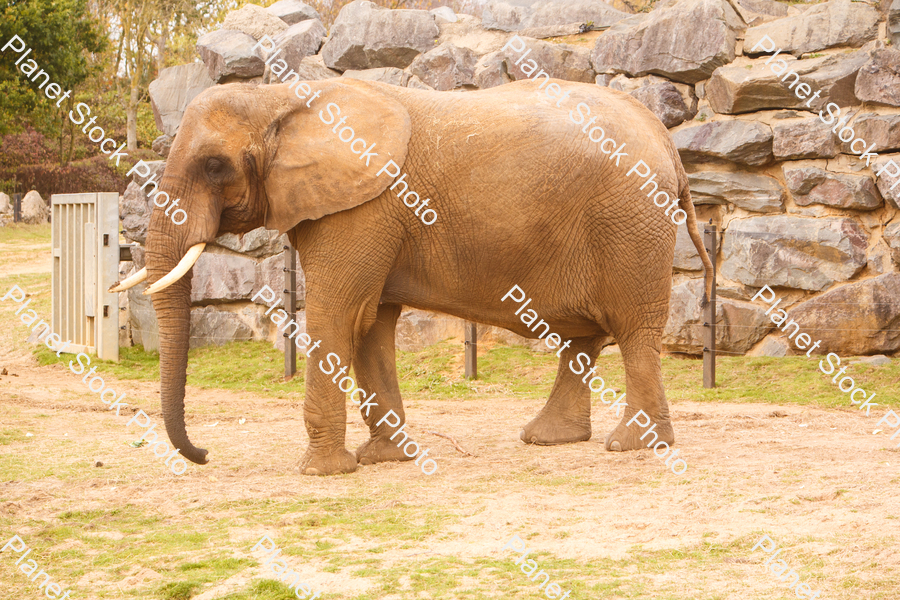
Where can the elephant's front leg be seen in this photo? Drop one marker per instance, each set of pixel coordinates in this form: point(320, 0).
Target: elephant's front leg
point(566, 417)
point(375, 363)
point(325, 409)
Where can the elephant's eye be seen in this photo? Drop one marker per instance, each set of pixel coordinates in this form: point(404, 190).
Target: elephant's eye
point(217, 170)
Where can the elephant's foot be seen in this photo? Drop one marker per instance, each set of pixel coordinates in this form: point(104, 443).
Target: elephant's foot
point(629, 438)
point(334, 463)
point(549, 429)
point(380, 449)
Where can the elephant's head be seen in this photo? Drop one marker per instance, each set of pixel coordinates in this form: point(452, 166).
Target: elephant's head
point(249, 156)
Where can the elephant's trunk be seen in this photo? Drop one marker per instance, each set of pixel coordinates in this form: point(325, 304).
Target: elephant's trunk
point(173, 311)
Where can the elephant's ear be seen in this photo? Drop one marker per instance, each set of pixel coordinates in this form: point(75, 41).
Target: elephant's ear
point(312, 173)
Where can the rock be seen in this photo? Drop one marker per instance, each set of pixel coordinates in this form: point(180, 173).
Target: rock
point(490, 71)
point(757, 193)
point(256, 243)
point(879, 360)
point(34, 209)
point(891, 235)
point(211, 326)
point(826, 25)
point(228, 53)
point(809, 138)
point(628, 85)
point(445, 67)
point(879, 260)
point(614, 349)
point(142, 318)
point(735, 90)
point(162, 145)
point(560, 61)
point(389, 75)
point(684, 331)
point(535, 16)
point(135, 207)
point(645, 44)
point(811, 185)
point(270, 272)
point(893, 30)
point(879, 79)
point(312, 68)
point(765, 7)
point(416, 83)
point(881, 130)
point(743, 142)
point(445, 14)
point(255, 21)
point(807, 254)
point(467, 32)
point(293, 11)
point(665, 102)
point(885, 183)
point(848, 332)
point(296, 43)
point(773, 345)
point(6, 204)
point(173, 90)
point(686, 256)
point(219, 276)
point(365, 36)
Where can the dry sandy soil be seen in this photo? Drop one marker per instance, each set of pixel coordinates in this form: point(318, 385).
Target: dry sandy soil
point(817, 481)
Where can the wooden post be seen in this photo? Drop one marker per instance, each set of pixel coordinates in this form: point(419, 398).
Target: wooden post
point(290, 306)
point(17, 207)
point(471, 350)
point(709, 341)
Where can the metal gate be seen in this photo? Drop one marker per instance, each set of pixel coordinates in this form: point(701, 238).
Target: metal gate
point(85, 242)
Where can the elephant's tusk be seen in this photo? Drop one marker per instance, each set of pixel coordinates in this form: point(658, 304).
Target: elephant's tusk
point(178, 272)
point(130, 282)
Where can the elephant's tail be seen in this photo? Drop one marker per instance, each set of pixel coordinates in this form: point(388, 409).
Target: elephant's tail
point(692, 226)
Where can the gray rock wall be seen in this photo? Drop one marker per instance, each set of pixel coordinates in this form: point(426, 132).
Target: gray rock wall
point(800, 211)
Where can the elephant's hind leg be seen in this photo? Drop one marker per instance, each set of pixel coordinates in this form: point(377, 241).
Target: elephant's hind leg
point(566, 417)
point(375, 363)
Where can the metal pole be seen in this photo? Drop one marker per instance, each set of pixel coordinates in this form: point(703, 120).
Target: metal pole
point(471, 330)
point(709, 342)
point(290, 306)
point(17, 207)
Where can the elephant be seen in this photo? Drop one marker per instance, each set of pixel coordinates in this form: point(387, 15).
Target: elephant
point(521, 197)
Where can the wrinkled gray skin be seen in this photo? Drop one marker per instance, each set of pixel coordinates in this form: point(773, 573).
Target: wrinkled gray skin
point(523, 197)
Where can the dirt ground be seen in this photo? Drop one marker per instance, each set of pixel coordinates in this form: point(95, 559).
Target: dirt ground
point(818, 482)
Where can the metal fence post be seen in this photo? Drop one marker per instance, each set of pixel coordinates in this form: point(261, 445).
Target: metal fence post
point(471, 330)
point(17, 207)
point(290, 306)
point(709, 341)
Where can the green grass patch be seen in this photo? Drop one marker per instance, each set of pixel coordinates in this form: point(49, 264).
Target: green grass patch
point(20, 233)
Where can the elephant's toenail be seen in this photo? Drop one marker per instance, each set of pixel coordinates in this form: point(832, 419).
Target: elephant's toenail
point(615, 447)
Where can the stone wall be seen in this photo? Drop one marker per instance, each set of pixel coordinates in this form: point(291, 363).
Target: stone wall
point(799, 209)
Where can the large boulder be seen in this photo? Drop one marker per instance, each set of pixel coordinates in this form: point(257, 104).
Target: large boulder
point(629, 85)
point(809, 138)
point(293, 11)
point(270, 272)
point(807, 254)
point(559, 61)
point(296, 43)
point(739, 324)
point(757, 193)
point(491, 71)
point(737, 89)
point(665, 102)
point(163, 144)
point(893, 31)
point(891, 235)
point(213, 326)
point(854, 332)
point(220, 277)
point(365, 36)
point(34, 209)
point(686, 256)
point(881, 130)
point(256, 243)
point(173, 90)
point(885, 183)
point(743, 142)
point(548, 18)
point(826, 25)
point(6, 205)
point(255, 21)
point(879, 79)
point(446, 67)
point(389, 75)
point(467, 32)
point(811, 185)
point(136, 207)
point(226, 52)
point(656, 43)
